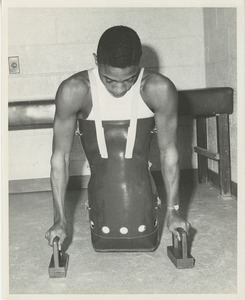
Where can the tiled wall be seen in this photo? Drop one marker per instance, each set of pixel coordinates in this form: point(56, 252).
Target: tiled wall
point(221, 62)
point(54, 43)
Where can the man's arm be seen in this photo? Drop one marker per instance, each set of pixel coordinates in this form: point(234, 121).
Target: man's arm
point(163, 97)
point(67, 107)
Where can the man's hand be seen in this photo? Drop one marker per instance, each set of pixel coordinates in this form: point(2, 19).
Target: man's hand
point(174, 221)
point(59, 230)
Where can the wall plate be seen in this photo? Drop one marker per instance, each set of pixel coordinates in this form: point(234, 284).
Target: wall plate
point(14, 65)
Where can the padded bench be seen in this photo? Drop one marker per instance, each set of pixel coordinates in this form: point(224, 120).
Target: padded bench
point(199, 103)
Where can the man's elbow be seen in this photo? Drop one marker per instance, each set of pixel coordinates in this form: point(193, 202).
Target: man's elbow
point(59, 161)
point(169, 156)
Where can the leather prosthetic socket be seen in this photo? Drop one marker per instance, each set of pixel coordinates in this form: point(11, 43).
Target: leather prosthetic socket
point(122, 197)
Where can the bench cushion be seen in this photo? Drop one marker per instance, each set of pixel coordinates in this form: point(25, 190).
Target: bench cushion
point(199, 102)
point(205, 102)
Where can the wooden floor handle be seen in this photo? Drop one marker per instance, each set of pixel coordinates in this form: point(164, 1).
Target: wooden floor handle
point(182, 244)
point(56, 252)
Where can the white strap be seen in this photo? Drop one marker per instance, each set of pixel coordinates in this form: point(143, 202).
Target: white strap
point(98, 123)
point(133, 119)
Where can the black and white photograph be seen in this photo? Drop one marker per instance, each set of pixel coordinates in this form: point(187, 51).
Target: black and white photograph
point(124, 155)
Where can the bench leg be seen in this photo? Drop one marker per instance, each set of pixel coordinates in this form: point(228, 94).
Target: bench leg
point(224, 151)
point(202, 142)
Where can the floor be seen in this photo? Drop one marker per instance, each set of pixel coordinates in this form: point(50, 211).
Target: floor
point(213, 243)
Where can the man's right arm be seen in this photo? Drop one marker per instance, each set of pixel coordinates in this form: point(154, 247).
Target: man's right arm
point(67, 106)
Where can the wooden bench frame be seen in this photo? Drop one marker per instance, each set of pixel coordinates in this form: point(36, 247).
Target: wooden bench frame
point(199, 103)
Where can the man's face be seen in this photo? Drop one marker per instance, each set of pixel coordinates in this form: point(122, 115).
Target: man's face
point(118, 81)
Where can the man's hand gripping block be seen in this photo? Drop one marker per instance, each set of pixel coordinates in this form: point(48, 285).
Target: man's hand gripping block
point(178, 252)
point(59, 262)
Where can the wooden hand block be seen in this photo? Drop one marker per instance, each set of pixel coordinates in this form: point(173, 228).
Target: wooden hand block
point(59, 262)
point(178, 253)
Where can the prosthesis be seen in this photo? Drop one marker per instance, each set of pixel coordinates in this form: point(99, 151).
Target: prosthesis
point(122, 197)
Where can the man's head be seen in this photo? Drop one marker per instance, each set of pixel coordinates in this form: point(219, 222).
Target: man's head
point(119, 47)
point(118, 57)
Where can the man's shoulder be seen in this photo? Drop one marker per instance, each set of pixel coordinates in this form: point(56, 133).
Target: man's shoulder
point(73, 92)
point(158, 91)
point(154, 80)
point(77, 83)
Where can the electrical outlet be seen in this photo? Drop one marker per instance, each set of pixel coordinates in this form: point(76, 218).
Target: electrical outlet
point(14, 65)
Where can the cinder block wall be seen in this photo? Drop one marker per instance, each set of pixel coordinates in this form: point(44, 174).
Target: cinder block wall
point(221, 61)
point(54, 43)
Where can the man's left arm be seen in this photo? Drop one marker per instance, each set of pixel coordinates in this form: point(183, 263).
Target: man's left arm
point(166, 119)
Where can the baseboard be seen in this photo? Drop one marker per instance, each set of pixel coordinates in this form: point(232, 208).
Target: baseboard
point(29, 185)
point(187, 176)
point(81, 182)
point(78, 182)
point(43, 184)
point(214, 179)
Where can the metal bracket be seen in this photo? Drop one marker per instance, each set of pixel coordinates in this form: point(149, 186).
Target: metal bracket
point(154, 130)
point(77, 132)
point(87, 206)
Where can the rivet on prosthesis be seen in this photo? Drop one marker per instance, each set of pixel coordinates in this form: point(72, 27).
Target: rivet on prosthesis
point(59, 262)
point(178, 253)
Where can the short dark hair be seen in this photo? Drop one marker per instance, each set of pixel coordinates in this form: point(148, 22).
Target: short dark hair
point(119, 47)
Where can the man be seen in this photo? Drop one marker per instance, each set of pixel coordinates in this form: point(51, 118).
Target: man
point(118, 191)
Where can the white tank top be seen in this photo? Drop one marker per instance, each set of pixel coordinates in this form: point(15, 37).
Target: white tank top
point(112, 108)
